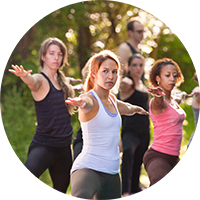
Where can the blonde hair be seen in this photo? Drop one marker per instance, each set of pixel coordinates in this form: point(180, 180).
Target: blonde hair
point(95, 64)
point(65, 86)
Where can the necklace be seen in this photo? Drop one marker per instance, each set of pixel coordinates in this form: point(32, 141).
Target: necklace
point(172, 103)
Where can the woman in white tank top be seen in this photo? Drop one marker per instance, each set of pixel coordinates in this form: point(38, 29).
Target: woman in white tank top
point(95, 171)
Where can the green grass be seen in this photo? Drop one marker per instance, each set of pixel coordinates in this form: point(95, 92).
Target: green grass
point(19, 121)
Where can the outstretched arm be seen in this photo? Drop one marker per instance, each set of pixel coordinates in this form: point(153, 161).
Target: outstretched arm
point(129, 109)
point(33, 81)
point(72, 80)
point(195, 91)
point(84, 102)
point(196, 94)
point(158, 100)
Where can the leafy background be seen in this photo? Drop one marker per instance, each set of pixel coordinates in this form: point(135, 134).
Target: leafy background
point(85, 28)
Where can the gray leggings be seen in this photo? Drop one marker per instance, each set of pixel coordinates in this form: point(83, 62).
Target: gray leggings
point(87, 183)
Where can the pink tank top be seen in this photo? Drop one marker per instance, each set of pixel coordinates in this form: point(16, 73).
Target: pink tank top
point(168, 128)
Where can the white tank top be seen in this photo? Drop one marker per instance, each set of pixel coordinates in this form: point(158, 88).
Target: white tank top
point(100, 141)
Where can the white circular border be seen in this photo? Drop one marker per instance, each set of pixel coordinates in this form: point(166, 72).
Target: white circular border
point(17, 17)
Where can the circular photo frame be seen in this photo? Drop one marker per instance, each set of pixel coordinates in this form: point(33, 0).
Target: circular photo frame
point(86, 28)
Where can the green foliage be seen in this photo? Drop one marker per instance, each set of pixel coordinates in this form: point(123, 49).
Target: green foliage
point(85, 28)
point(181, 56)
point(19, 120)
point(189, 123)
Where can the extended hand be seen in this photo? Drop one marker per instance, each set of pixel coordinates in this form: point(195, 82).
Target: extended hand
point(156, 91)
point(141, 111)
point(19, 71)
point(78, 88)
point(196, 91)
point(73, 80)
point(77, 101)
point(127, 81)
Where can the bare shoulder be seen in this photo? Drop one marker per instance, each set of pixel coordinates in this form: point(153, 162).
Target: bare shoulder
point(123, 47)
point(113, 97)
point(42, 85)
point(87, 95)
point(124, 52)
point(38, 77)
point(87, 116)
point(144, 89)
point(89, 98)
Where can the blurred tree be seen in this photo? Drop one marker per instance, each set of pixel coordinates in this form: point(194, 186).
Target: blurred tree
point(86, 28)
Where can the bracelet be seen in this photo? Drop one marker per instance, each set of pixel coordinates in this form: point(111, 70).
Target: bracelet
point(156, 95)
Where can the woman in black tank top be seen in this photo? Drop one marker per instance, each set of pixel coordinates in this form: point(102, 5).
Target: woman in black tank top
point(50, 147)
point(135, 129)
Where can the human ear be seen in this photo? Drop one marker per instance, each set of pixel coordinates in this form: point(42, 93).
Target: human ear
point(130, 33)
point(42, 58)
point(93, 75)
point(158, 79)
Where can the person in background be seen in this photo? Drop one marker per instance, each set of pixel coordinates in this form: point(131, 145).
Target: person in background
point(50, 146)
point(135, 129)
point(95, 172)
point(78, 139)
point(195, 104)
point(167, 117)
point(135, 35)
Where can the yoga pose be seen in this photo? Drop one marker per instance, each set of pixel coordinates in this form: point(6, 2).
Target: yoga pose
point(167, 117)
point(95, 172)
point(50, 147)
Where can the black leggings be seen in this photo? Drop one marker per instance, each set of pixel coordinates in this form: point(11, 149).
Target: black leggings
point(158, 164)
point(57, 159)
point(134, 148)
point(87, 183)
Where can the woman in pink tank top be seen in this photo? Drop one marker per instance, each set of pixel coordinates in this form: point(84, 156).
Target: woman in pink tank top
point(167, 117)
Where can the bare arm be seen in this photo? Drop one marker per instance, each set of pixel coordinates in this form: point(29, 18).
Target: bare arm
point(179, 96)
point(158, 102)
point(196, 94)
point(72, 80)
point(84, 102)
point(33, 81)
point(124, 53)
point(197, 98)
point(129, 109)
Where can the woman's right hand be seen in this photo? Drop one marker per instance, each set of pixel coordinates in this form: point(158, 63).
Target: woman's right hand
point(126, 84)
point(77, 101)
point(19, 71)
point(127, 81)
point(157, 91)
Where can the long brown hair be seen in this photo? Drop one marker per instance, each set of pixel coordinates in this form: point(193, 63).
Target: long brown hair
point(95, 64)
point(65, 86)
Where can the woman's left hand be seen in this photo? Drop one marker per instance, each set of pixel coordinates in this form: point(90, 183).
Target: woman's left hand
point(141, 111)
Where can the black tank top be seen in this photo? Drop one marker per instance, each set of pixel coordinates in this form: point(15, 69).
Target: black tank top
point(53, 119)
point(132, 49)
point(137, 124)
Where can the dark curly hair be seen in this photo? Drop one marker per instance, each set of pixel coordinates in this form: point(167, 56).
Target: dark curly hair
point(157, 67)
